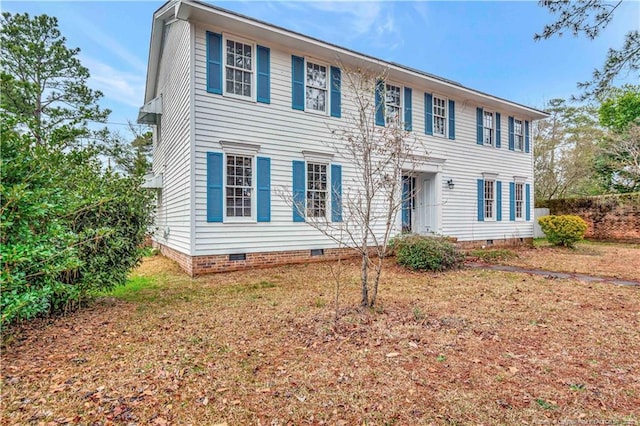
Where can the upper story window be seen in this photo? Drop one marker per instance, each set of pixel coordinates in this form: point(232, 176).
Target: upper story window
point(489, 199)
point(488, 128)
point(518, 135)
point(239, 68)
point(392, 104)
point(316, 87)
point(316, 190)
point(519, 200)
point(439, 116)
point(239, 185)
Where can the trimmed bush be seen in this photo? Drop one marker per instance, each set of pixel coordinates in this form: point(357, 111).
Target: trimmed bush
point(564, 230)
point(422, 253)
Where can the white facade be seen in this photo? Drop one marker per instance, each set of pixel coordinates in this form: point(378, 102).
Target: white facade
point(195, 122)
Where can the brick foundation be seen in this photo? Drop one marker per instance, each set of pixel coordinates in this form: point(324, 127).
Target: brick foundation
point(200, 265)
point(497, 243)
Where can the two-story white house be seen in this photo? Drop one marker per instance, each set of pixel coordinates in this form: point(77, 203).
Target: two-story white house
point(241, 109)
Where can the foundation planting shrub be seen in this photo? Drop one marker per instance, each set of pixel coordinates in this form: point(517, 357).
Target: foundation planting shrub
point(423, 253)
point(563, 230)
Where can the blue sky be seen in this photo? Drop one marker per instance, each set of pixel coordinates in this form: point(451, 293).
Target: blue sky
point(484, 45)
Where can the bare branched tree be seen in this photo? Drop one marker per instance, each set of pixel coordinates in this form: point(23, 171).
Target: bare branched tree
point(378, 156)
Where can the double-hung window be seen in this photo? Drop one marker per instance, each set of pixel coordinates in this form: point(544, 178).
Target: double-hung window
point(239, 68)
point(316, 87)
point(489, 199)
point(239, 185)
point(392, 104)
point(518, 135)
point(317, 190)
point(488, 137)
point(439, 116)
point(519, 200)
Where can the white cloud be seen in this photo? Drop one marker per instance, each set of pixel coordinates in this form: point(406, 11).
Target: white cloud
point(120, 86)
point(102, 39)
point(350, 20)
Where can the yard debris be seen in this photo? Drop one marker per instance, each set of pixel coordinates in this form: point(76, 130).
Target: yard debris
point(219, 350)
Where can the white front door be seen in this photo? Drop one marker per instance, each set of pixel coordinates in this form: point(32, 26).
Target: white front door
point(428, 211)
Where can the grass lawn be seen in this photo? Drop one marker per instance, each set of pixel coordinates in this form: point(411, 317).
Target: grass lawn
point(262, 347)
point(588, 257)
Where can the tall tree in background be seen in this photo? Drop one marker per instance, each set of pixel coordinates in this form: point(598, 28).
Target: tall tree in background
point(565, 148)
point(589, 17)
point(618, 164)
point(68, 225)
point(132, 157)
point(42, 82)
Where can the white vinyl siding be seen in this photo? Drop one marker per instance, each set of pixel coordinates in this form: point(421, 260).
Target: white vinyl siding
point(172, 156)
point(283, 134)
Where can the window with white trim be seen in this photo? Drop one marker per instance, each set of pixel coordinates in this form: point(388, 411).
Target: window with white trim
point(489, 199)
point(317, 190)
point(392, 104)
point(239, 185)
point(239, 68)
point(488, 128)
point(439, 116)
point(519, 200)
point(518, 135)
point(316, 87)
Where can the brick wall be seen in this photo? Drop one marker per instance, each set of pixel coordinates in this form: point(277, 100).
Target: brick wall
point(608, 217)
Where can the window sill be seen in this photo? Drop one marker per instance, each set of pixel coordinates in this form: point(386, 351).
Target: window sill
point(239, 220)
point(250, 99)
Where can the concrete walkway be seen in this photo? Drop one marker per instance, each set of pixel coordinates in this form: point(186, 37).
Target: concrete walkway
point(555, 275)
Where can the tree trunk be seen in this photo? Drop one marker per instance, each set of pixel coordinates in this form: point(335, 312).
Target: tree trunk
point(364, 278)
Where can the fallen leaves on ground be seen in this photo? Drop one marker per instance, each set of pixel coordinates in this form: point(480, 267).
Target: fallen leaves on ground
point(263, 347)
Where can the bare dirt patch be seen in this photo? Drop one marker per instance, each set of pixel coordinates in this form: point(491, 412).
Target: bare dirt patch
point(262, 347)
point(609, 260)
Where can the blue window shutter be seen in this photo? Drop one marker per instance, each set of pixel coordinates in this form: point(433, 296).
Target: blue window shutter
point(527, 203)
point(214, 187)
point(298, 191)
point(479, 126)
point(526, 136)
point(511, 141)
point(336, 193)
point(498, 130)
point(214, 63)
point(481, 200)
point(408, 110)
point(264, 189)
point(297, 83)
point(264, 69)
point(428, 114)
point(498, 200)
point(380, 103)
point(452, 120)
point(336, 101)
point(512, 201)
